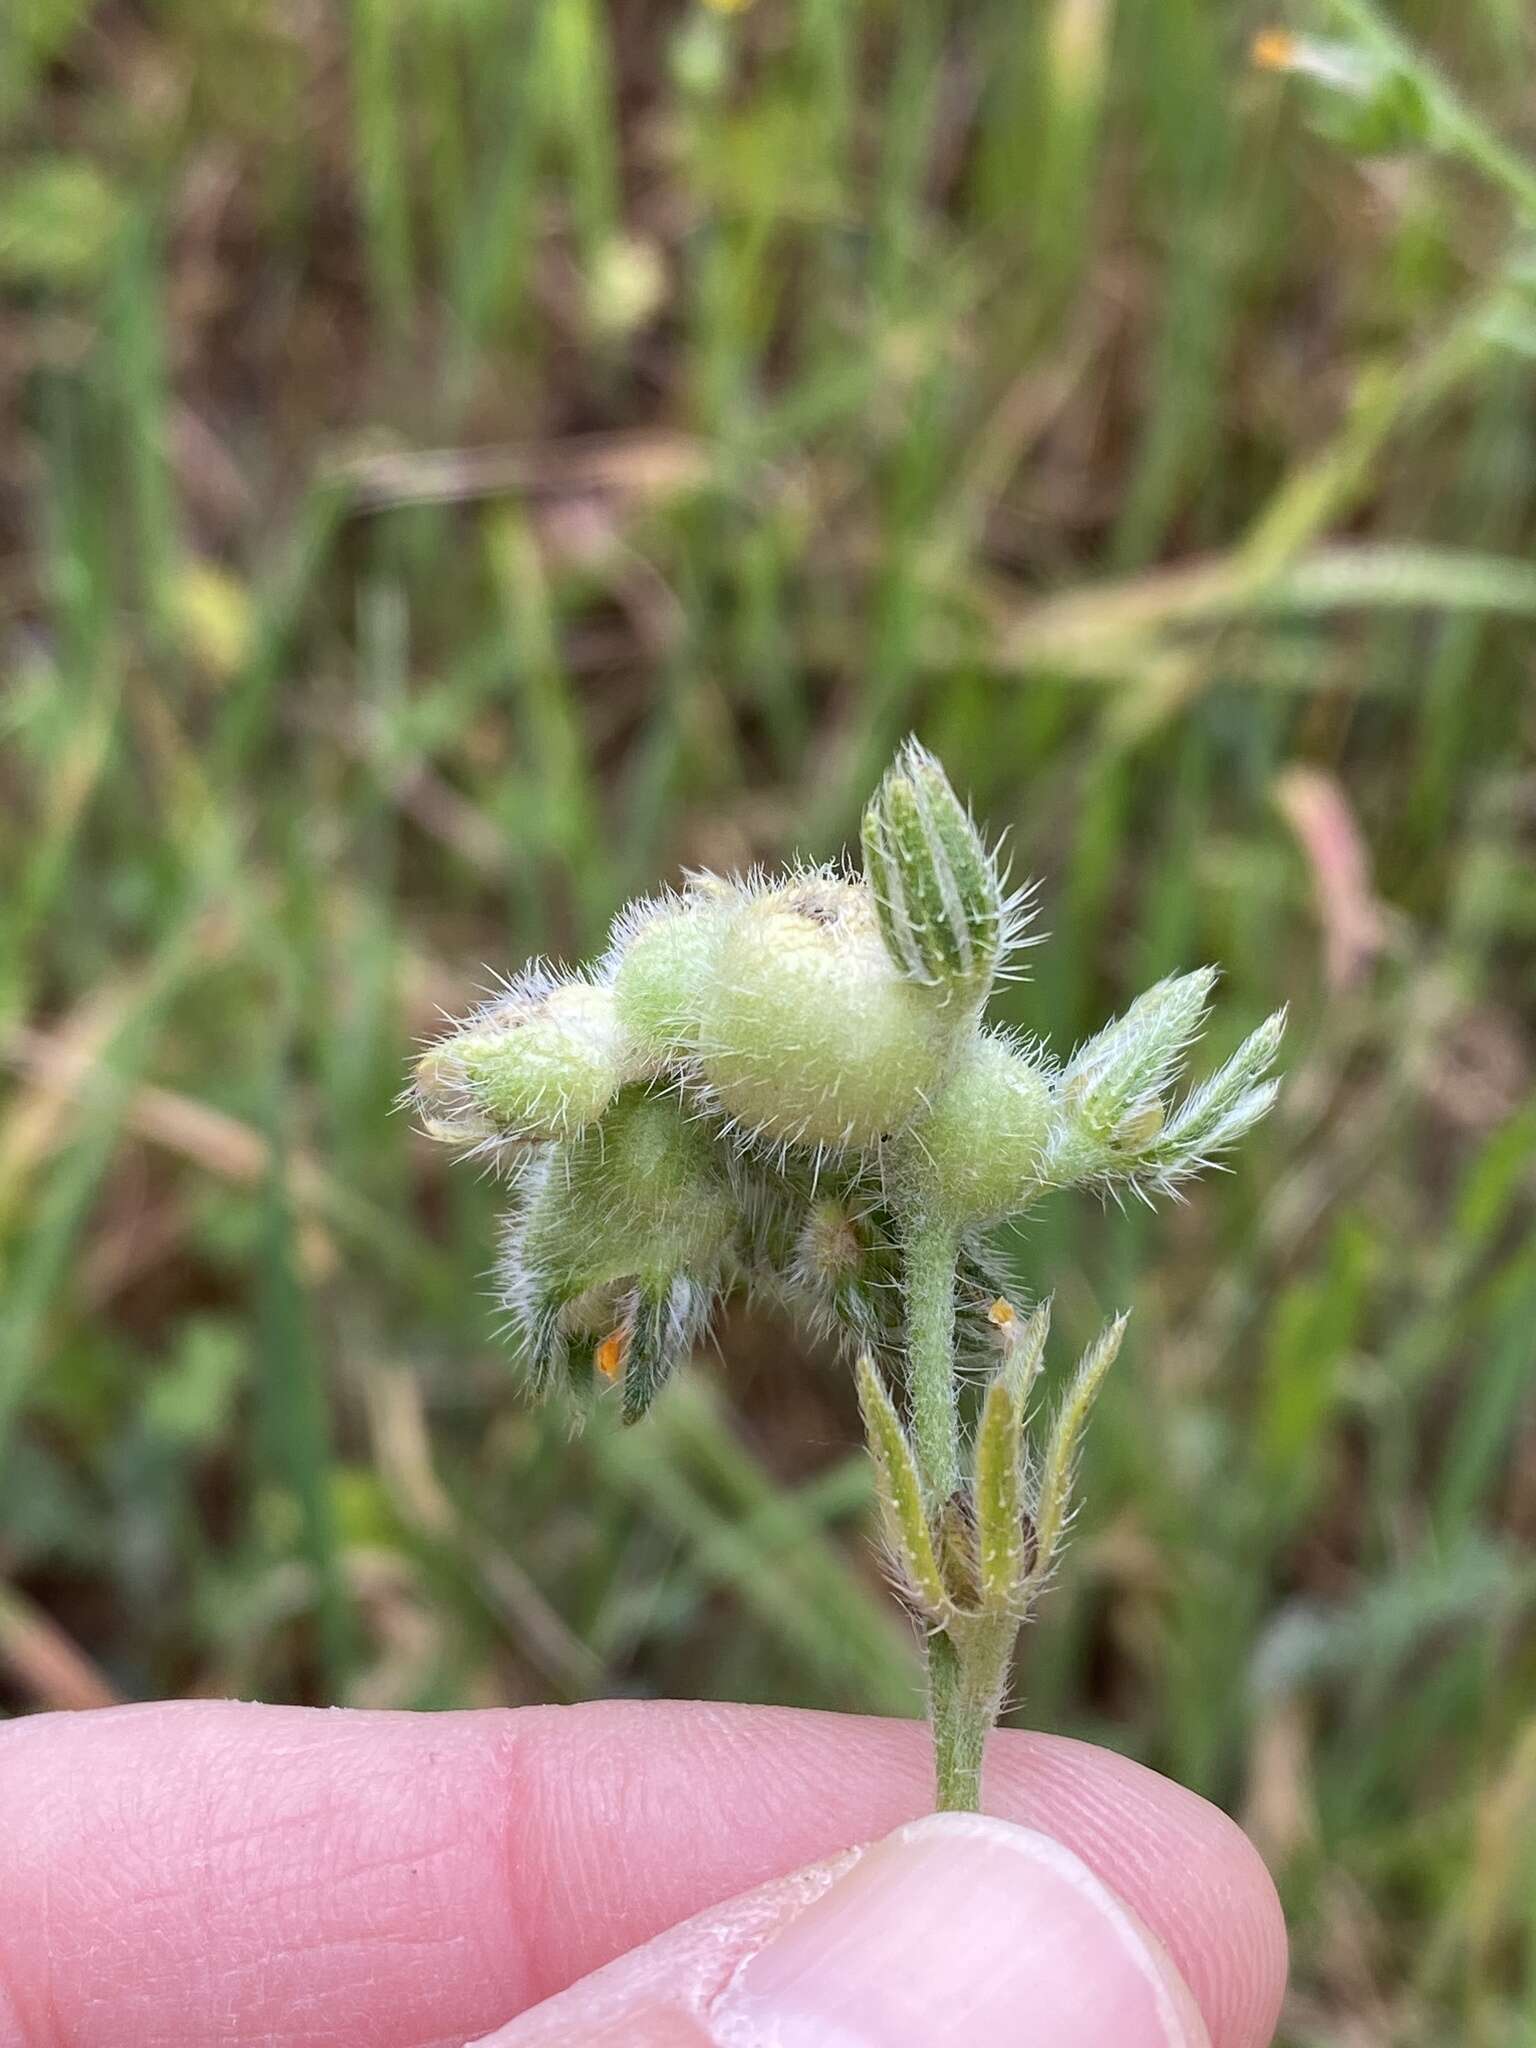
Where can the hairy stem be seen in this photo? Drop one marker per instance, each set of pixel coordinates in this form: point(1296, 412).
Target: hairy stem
point(957, 1741)
point(968, 1662)
point(931, 1249)
point(967, 1673)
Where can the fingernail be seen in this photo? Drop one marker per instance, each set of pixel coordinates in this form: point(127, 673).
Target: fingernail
point(961, 1929)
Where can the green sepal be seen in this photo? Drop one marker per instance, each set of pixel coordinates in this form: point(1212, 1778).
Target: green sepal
point(1023, 1346)
point(547, 1348)
point(660, 1328)
point(1053, 1500)
point(1119, 1073)
point(900, 1492)
point(997, 1496)
point(1217, 1113)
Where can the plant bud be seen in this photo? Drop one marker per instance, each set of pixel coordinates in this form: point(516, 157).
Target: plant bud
point(1110, 1090)
point(846, 1271)
point(937, 888)
point(541, 1063)
point(1114, 1123)
point(977, 1151)
point(625, 1235)
point(807, 1033)
point(826, 1245)
point(660, 952)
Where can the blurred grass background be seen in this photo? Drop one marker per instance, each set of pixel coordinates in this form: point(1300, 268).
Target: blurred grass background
point(464, 461)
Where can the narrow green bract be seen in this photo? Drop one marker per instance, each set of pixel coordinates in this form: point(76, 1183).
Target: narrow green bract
point(998, 1494)
point(900, 1492)
point(1054, 1496)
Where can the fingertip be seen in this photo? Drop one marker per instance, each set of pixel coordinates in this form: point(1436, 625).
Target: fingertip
point(1182, 1863)
point(955, 1931)
point(784, 1787)
point(457, 1867)
point(961, 1929)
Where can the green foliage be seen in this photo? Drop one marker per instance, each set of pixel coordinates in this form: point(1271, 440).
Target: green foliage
point(57, 223)
point(1037, 379)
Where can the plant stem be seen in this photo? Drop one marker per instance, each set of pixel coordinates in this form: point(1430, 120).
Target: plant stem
point(958, 1740)
point(967, 1663)
point(967, 1671)
point(931, 1248)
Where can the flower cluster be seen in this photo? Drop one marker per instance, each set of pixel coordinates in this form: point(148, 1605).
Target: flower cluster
point(765, 1079)
point(786, 1082)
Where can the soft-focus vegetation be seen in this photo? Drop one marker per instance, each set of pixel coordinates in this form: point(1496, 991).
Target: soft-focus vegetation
point(463, 461)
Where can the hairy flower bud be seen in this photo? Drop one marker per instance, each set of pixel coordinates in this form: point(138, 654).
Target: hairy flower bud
point(807, 1033)
point(824, 1243)
point(1113, 1122)
point(976, 1152)
point(938, 891)
point(541, 1063)
point(846, 1271)
point(624, 1235)
point(1111, 1082)
point(660, 952)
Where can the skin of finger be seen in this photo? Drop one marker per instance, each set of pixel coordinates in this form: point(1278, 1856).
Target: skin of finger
point(661, 1992)
point(322, 1876)
point(686, 1987)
